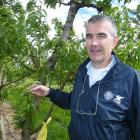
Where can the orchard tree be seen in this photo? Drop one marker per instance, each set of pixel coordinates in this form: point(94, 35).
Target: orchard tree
point(25, 49)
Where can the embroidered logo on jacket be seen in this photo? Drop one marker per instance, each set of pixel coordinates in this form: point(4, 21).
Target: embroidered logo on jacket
point(108, 95)
point(118, 99)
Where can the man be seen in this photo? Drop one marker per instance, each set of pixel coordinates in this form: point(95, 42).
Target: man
point(105, 100)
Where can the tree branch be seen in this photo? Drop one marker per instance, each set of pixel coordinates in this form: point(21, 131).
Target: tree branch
point(99, 9)
point(46, 118)
point(66, 4)
point(14, 81)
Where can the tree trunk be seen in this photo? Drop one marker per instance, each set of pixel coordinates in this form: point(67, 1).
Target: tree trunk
point(2, 130)
point(74, 7)
point(25, 132)
point(69, 22)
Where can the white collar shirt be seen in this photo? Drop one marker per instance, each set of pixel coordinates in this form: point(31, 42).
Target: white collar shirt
point(98, 74)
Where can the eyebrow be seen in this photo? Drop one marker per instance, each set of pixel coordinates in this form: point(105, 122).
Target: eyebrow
point(104, 34)
point(99, 34)
point(89, 34)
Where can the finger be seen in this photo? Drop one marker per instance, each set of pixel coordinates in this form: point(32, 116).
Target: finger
point(32, 86)
point(37, 83)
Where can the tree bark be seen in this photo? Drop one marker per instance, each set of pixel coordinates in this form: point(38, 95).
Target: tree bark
point(74, 7)
point(69, 22)
point(2, 130)
point(25, 134)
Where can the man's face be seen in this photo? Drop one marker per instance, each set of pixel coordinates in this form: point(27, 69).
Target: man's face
point(100, 42)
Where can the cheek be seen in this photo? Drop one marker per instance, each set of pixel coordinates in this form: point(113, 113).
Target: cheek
point(110, 44)
point(87, 42)
point(87, 45)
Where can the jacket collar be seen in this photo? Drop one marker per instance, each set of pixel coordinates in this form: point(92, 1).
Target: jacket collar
point(83, 69)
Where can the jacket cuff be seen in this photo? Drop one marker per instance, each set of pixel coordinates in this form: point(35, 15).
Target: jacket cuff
point(51, 92)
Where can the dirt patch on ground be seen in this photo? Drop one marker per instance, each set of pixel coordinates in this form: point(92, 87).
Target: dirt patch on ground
point(8, 131)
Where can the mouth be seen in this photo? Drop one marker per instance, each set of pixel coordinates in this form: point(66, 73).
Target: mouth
point(95, 51)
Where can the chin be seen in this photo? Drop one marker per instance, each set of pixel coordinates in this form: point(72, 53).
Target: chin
point(95, 59)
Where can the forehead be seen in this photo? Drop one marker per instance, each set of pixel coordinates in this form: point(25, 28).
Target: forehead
point(99, 26)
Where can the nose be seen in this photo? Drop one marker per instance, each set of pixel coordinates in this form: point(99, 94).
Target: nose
point(94, 41)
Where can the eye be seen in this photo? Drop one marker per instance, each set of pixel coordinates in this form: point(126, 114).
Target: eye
point(101, 35)
point(88, 36)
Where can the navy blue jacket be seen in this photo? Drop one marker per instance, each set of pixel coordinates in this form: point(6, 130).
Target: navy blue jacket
point(108, 110)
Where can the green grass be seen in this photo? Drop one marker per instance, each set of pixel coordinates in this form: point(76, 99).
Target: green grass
point(58, 126)
point(22, 102)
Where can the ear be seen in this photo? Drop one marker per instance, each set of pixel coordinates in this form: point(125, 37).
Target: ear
point(116, 39)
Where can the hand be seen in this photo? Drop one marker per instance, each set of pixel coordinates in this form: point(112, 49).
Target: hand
point(39, 90)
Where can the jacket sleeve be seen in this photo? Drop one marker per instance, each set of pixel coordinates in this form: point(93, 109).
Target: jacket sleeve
point(135, 107)
point(60, 98)
point(63, 99)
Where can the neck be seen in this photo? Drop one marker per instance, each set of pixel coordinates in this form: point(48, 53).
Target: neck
point(100, 65)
